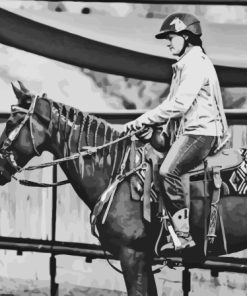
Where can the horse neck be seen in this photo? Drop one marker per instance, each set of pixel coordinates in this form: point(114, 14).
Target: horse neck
point(72, 130)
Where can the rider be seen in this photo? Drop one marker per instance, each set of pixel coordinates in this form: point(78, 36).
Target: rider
point(194, 98)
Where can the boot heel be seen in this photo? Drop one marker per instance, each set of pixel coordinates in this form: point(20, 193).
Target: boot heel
point(186, 242)
point(181, 237)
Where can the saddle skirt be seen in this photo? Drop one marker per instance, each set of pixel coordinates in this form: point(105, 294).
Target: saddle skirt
point(228, 161)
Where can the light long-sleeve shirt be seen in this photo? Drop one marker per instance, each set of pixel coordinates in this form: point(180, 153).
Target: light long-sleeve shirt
point(194, 96)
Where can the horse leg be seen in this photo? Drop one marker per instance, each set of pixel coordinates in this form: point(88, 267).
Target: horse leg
point(137, 272)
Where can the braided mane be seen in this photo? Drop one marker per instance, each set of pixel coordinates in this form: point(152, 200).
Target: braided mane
point(93, 131)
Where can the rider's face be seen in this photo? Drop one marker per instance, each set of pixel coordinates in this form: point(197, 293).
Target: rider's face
point(175, 44)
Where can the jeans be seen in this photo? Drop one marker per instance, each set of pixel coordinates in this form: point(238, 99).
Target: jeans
point(186, 153)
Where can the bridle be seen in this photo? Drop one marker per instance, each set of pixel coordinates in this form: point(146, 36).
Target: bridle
point(7, 154)
point(5, 151)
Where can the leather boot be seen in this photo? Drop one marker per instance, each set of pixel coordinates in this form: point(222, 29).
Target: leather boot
point(181, 227)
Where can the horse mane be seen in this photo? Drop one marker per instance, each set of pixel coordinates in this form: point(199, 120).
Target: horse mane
point(91, 129)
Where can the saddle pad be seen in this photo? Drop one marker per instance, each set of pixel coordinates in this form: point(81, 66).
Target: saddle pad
point(233, 165)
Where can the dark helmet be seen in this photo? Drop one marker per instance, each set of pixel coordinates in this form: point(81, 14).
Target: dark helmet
point(179, 22)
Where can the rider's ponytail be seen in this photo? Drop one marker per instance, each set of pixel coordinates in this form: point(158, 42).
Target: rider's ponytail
point(194, 40)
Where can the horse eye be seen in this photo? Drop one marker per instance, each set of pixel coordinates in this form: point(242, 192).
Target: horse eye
point(9, 125)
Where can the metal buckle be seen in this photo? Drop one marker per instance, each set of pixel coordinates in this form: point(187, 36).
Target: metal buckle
point(217, 177)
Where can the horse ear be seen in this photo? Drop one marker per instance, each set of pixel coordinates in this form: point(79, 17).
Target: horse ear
point(44, 96)
point(17, 91)
point(23, 95)
point(23, 88)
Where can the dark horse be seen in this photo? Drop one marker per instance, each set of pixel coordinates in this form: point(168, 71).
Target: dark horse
point(40, 124)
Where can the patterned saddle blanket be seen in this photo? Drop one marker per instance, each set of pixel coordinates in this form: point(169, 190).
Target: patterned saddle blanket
point(231, 163)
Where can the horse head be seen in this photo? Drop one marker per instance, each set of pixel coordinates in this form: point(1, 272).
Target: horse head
point(25, 132)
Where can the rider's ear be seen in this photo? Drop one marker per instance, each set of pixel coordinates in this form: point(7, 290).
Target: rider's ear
point(23, 95)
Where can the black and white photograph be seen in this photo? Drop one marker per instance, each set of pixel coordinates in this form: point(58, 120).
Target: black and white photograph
point(123, 148)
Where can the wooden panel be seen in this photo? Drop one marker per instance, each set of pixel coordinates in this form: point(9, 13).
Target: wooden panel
point(26, 211)
point(72, 216)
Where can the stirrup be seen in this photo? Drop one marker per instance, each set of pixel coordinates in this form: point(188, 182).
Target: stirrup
point(186, 241)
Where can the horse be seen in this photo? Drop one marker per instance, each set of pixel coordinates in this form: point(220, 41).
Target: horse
point(38, 124)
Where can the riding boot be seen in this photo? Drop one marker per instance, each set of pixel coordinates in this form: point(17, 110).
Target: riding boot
point(180, 221)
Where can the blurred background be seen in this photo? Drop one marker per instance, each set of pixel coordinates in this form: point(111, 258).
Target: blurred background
point(106, 92)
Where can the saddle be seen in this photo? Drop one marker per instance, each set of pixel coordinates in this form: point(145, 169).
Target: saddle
point(225, 159)
point(205, 180)
point(228, 159)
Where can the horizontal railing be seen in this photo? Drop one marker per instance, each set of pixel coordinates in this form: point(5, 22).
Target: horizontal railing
point(92, 251)
point(234, 116)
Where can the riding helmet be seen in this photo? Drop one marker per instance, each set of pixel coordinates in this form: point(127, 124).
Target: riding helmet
point(179, 22)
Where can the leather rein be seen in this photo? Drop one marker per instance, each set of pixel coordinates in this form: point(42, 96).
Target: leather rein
point(7, 153)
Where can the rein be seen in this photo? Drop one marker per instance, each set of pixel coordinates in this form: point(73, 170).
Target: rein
point(90, 150)
point(86, 151)
point(43, 185)
point(6, 153)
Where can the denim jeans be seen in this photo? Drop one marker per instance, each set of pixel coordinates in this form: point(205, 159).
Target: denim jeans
point(186, 153)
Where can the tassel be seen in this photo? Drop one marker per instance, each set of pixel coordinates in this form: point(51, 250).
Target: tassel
point(104, 198)
point(109, 205)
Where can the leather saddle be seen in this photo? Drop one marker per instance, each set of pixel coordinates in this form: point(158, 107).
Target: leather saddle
point(193, 181)
point(205, 180)
point(225, 159)
point(159, 140)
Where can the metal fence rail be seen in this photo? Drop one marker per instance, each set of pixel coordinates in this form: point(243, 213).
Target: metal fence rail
point(234, 116)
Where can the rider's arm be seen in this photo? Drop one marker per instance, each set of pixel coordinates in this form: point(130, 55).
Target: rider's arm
point(192, 80)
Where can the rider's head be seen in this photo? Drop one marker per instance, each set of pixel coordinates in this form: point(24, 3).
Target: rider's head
point(182, 30)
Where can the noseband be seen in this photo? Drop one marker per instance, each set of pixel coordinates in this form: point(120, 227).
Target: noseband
point(5, 152)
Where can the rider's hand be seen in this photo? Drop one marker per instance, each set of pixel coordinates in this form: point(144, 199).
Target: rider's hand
point(133, 125)
point(145, 134)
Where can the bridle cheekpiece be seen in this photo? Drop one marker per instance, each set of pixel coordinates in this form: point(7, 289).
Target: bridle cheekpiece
point(5, 151)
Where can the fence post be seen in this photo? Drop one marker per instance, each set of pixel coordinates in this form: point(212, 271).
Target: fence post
point(53, 265)
point(186, 281)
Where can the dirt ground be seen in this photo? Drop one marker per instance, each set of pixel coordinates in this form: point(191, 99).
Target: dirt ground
point(9, 287)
